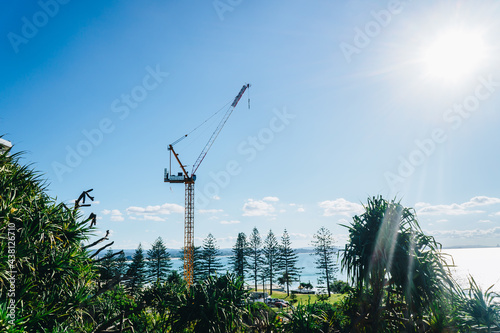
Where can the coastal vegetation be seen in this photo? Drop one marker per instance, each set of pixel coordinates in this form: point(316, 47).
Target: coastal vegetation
point(54, 280)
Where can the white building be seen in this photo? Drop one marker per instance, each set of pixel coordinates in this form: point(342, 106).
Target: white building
point(4, 145)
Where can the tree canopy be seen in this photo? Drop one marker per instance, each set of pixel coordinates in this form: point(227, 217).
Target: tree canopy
point(210, 262)
point(287, 263)
point(239, 257)
point(270, 253)
point(255, 255)
point(159, 262)
point(326, 256)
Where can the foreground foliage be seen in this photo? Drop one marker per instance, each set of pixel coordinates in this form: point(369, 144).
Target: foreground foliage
point(401, 278)
point(50, 282)
point(49, 275)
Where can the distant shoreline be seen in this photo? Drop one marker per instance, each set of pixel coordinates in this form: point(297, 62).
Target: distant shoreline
point(457, 247)
point(176, 253)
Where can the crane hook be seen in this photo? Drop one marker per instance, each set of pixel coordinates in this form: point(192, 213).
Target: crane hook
point(248, 97)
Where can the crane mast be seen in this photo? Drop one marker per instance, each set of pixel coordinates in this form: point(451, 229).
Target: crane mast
point(189, 180)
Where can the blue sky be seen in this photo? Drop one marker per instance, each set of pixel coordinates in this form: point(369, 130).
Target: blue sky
point(343, 106)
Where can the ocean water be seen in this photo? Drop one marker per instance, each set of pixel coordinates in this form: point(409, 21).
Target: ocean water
point(482, 263)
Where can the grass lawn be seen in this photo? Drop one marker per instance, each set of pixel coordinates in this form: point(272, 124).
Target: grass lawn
point(303, 298)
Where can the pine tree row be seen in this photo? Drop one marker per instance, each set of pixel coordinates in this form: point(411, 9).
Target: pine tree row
point(263, 261)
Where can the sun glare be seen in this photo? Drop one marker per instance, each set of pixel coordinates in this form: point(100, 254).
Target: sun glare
point(454, 54)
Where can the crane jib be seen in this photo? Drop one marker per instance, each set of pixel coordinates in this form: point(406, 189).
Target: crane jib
point(184, 177)
point(218, 129)
point(237, 98)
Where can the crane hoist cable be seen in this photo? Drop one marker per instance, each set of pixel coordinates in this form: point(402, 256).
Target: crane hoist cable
point(246, 87)
point(194, 129)
point(203, 123)
point(219, 128)
point(189, 181)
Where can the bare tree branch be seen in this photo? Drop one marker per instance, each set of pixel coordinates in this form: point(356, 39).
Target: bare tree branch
point(102, 248)
point(93, 219)
point(82, 199)
point(98, 241)
point(108, 257)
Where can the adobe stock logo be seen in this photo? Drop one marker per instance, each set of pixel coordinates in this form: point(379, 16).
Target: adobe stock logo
point(363, 36)
point(249, 149)
point(122, 107)
point(223, 6)
point(454, 116)
point(31, 26)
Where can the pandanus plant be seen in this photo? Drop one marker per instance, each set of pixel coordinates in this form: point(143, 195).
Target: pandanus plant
point(480, 310)
point(397, 270)
point(51, 269)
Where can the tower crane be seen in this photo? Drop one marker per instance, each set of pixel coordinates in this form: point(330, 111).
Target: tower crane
point(189, 180)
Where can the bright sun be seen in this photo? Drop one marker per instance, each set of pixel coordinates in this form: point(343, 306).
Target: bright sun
point(454, 54)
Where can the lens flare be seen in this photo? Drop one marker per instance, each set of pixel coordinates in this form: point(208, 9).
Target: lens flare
point(454, 54)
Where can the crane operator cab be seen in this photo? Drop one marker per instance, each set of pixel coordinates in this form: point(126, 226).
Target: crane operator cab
point(179, 178)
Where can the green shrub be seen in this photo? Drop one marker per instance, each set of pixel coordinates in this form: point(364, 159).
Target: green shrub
point(340, 287)
point(322, 297)
point(54, 273)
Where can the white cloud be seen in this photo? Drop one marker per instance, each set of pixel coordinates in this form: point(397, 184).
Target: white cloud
point(153, 213)
point(117, 218)
point(343, 221)
point(116, 215)
point(257, 208)
point(153, 218)
point(216, 197)
point(442, 221)
point(272, 199)
point(340, 207)
point(493, 232)
point(210, 211)
point(484, 221)
point(165, 209)
point(481, 201)
point(495, 214)
point(297, 235)
point(300, 209)
point(230, 222)
point(454, 208)
point(341, 239)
